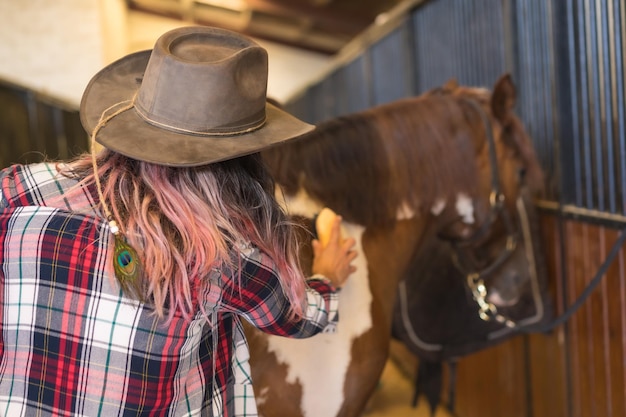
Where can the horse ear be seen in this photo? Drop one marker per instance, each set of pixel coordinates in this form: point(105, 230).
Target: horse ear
point(503, 99)
point(451, 85)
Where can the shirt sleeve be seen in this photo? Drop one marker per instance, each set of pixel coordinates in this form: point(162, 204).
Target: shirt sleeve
point(256, 294)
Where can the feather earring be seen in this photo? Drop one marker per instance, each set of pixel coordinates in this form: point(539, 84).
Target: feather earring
point(126, 265)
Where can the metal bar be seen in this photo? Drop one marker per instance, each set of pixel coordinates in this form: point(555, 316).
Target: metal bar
point(606, 55)
point(584, 77)
point(541, 64)
point(582, 213)
point(547, 70)
point(408, 34)
point(522, 56)
point(577, 189)
point(620, 113)
point(459, 52)
point(595, 70)
point(468, 42)
point(463, 45)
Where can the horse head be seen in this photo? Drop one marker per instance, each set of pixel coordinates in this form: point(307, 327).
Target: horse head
point(502, 240)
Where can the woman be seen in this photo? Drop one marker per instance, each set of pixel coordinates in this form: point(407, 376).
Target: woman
point(125, 272)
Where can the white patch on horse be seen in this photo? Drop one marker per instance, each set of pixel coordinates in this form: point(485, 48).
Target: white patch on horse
point(438, 207)
point(301, 203)
point(405, 212)
point(465, 208)
point(320, 363)
point(261, 397)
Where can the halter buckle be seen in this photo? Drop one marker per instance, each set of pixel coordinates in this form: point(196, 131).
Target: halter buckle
point(511, 243)
point(496, 198)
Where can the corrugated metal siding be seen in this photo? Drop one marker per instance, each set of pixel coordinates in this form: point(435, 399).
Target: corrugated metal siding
point(533, 67)
point(595, 33)
point(459, 39)
point(392, 66)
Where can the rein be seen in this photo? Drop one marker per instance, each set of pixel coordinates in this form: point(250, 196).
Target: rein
point(569, 312)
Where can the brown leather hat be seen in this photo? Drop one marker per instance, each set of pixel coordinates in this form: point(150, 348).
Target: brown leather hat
point(198, 97)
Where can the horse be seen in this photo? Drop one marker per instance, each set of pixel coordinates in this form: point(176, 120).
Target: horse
point(399, 174)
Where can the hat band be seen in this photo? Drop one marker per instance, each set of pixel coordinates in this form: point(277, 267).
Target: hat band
point(239, 130)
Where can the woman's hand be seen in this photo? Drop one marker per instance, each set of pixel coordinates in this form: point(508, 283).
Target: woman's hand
point(334, 260)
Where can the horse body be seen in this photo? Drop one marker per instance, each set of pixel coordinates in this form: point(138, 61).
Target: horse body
point(399, 175)
point(319, 365)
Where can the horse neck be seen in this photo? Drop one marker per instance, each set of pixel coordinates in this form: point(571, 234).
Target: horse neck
point(389, 251)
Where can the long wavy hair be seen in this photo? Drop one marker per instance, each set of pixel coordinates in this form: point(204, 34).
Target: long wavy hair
point(186, 221)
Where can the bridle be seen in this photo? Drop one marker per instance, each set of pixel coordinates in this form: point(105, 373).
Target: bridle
point(475, 278)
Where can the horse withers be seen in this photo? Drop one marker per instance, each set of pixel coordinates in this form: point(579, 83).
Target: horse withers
point(391, 172)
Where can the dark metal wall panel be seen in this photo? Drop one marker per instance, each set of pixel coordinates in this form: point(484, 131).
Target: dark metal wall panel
point(391, 66)
point(381, 74)
point(355, 87)
point(346, 90)
point(597, 171)
point(337, 98)
point(459, 39)
point(299, 106)
point(533, 70)
point(327, 99)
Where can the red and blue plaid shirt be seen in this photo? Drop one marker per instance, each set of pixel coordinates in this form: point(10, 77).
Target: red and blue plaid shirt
point(73, 345)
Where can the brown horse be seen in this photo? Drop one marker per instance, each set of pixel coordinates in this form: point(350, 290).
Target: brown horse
point(391, 172)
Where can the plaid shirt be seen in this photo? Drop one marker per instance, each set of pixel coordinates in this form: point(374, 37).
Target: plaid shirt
point(73, 345)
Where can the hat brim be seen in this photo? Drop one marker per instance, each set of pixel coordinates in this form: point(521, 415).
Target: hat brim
point(127, 133)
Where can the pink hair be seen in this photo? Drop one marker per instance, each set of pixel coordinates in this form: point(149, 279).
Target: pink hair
point(186, 221)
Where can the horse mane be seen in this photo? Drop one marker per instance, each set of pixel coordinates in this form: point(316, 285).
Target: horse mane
point(361, 165)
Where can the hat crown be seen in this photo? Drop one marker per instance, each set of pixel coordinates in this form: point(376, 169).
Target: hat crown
point(197, 98)
point(205, 82)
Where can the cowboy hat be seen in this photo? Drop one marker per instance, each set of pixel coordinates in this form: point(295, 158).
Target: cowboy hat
point(198, 97)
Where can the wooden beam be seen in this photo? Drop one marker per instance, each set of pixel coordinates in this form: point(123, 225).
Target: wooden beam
point(323, 17)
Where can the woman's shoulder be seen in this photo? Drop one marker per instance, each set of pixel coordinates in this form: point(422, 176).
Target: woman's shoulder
point(29, 185)
point(42, 184)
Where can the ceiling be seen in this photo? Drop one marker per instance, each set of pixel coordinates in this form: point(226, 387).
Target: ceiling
point(323, 26)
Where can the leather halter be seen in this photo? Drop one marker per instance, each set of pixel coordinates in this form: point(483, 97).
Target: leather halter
point(475, 279)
